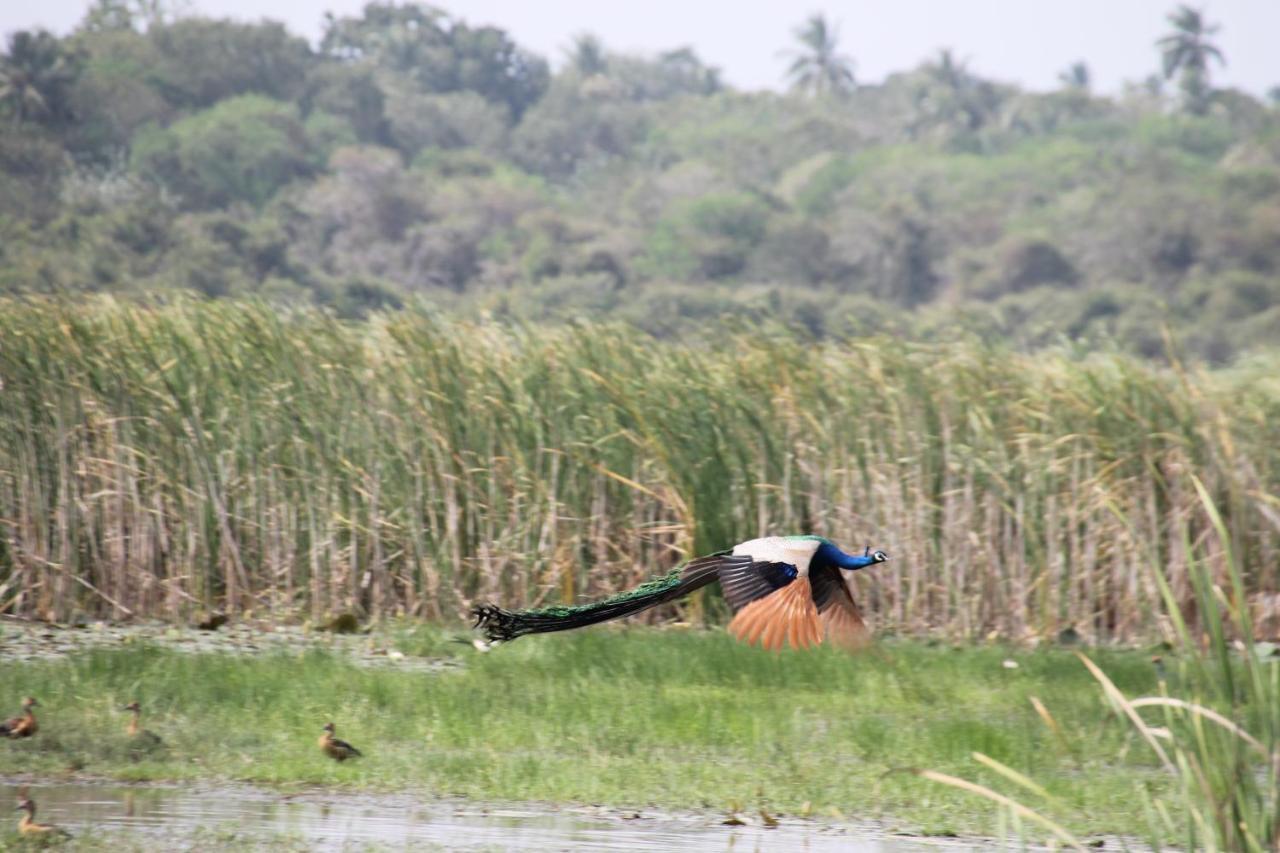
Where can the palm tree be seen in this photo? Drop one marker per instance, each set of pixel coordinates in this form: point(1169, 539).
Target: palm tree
point(684, 62)
point(1076, 77)
point(818, 68)
point(105, 16)
point(1188, 50)
point(36, 76)
point(115, 15)
point(949, 97)
point(587, 55)
point(949, 71)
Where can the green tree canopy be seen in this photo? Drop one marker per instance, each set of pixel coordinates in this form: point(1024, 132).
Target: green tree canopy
point(243, 149)
point(114, 96)
point(440, 53)
point(671, 74)
point(415, 154)
point(573, 125)
point(203, 61)
point(708, 237)
point(32, 165)
point(352, 91)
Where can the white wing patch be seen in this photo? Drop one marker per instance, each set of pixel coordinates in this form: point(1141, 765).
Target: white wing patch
point(780, 549)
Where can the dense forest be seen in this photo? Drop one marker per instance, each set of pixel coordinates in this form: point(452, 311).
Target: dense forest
point(411, 156)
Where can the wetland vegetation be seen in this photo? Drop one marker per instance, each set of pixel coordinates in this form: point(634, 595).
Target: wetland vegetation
point(162, 461)
point(673, 719)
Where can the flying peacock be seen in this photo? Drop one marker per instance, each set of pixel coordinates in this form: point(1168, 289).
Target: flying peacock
point(782, 589)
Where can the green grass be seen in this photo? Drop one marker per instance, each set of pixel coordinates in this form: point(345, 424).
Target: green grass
point(204, 839)
point(631, 718)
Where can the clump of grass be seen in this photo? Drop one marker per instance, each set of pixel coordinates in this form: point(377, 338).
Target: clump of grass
point(161, 461)
point(1221, 732)
point(630, 718)
point(1213, 727)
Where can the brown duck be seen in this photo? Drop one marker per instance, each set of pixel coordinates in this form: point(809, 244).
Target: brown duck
point(24, 725)
point(337, 749)
point(141, 736)
point(28, 826)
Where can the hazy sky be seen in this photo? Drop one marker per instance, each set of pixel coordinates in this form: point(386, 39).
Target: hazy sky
point(1022, 41)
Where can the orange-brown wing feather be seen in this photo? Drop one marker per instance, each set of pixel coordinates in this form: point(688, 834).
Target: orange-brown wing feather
point(18, 727)
point(842, 621)
point(786, 615)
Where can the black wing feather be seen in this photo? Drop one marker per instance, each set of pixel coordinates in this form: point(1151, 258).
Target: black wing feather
point(744, 580)
point(827, 584)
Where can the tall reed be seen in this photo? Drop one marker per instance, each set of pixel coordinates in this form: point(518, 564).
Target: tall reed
point(1213, 730)
point(159, 460)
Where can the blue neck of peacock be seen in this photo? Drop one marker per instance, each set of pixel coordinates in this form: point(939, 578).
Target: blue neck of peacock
point(830, 554)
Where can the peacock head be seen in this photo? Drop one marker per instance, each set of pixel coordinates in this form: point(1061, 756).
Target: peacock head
point(874, 556)
point(865, 560)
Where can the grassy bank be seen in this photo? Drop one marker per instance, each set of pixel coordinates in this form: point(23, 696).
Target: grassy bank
point(162, 461)
point(634, 718)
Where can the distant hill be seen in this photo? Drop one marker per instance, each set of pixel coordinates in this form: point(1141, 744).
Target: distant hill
point(412, 155)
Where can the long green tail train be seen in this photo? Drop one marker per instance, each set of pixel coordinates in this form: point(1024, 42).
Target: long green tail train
point(501, 626)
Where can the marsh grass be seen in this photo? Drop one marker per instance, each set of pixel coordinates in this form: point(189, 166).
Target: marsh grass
point(1213, 727)
point(1217, 726)
point(634, 718)
point(160, 461)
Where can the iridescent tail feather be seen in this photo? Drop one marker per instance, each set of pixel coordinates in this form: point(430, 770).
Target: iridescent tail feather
point(502, 626)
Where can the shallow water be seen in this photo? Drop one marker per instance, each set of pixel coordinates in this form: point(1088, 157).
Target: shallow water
point(21, 640)
point(327, 821)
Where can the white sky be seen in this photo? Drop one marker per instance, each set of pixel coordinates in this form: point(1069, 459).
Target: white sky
point(1022, 41)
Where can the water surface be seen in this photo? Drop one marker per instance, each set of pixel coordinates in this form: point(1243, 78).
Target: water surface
point(331, 821)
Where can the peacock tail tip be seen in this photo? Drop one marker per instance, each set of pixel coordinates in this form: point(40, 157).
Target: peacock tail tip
point(498, 625)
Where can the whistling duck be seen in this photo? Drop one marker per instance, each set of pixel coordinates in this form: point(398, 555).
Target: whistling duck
point(335, 748)
point(22, 726)
point(140, 735)
point(783, 590)
point(27, 825)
